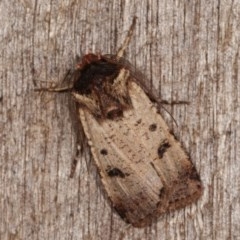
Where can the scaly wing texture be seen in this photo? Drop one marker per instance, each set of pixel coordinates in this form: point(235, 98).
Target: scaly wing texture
point(143, 168)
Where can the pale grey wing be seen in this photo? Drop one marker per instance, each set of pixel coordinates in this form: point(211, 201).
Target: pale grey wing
point(143, 168)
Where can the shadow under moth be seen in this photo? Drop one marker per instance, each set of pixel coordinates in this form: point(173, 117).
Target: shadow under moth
point(143, 168)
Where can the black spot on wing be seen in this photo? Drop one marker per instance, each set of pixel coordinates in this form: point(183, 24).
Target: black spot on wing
point(104, 151)
point(115, 113)
point(115, 172)
point(163, 148)
point(152, 127)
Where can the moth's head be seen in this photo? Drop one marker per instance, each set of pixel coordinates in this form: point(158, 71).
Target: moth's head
point(100, 85)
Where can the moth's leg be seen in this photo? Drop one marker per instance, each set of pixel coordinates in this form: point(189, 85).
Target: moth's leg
point(63, 89)
point(75, 161)
point(67, 76)
point(173, 102)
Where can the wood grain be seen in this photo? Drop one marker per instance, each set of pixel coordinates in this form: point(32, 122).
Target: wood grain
point(189, 50)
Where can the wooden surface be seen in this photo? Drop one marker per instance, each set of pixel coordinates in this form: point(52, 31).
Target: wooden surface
point(189, 50)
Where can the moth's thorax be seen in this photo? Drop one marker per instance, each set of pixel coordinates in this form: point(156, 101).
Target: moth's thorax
point(100, 85)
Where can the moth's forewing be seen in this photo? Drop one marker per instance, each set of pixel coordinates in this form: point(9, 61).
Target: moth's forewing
point(144, 170)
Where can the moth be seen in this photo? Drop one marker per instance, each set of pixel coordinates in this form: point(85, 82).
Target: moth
point(143, 168)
